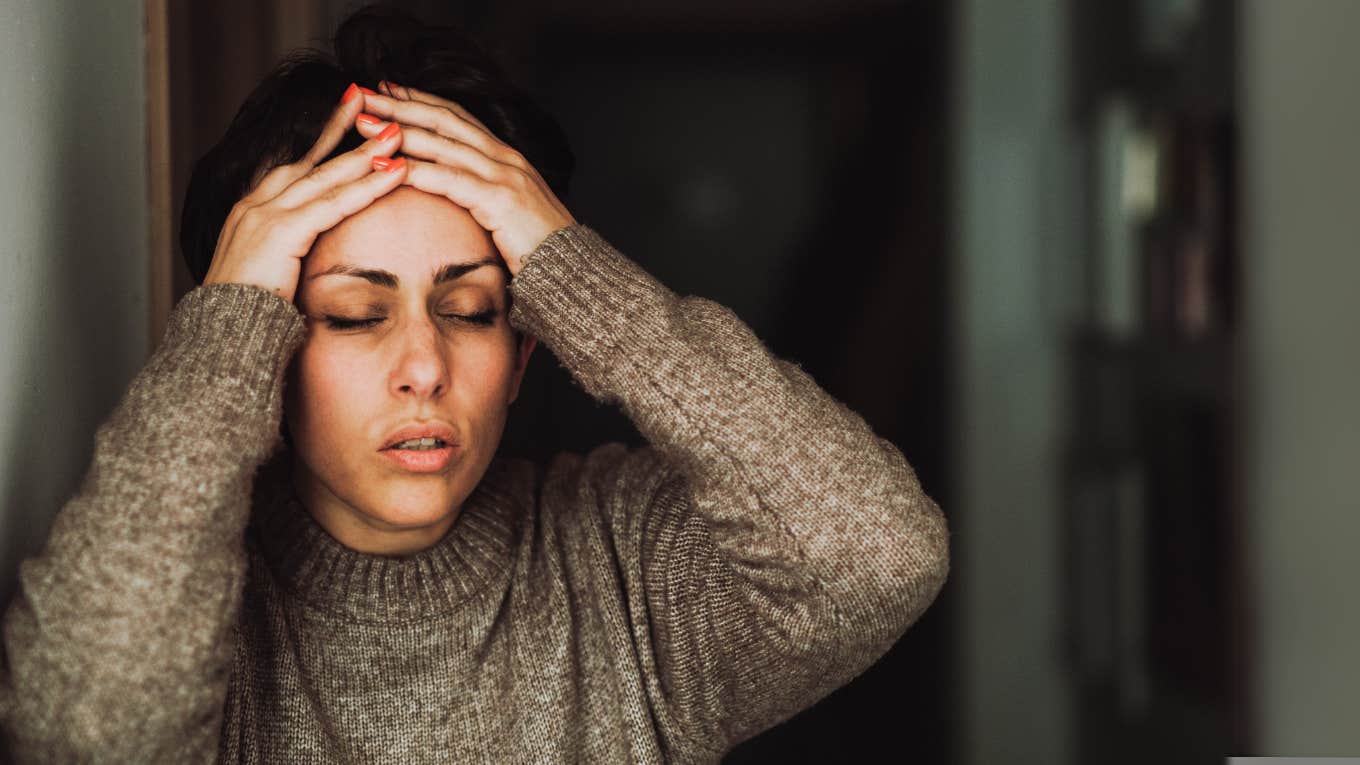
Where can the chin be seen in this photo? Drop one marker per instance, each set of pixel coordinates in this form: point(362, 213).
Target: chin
point(413, 509)
point(411, 519)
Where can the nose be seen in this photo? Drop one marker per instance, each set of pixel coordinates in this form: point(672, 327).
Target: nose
point(421, 368)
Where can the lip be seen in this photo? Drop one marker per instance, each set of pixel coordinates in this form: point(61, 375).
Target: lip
point(423, 461)
point(432, 429)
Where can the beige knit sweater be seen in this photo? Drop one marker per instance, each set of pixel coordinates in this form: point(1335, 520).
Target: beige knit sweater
point(655, 605)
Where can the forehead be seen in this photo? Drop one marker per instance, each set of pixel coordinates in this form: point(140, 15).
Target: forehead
point(408, 232)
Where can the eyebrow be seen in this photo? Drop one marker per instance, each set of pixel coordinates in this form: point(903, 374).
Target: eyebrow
point(449, 273)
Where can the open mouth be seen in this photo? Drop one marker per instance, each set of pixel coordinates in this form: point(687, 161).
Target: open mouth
point(420, 455)
point(419, 445)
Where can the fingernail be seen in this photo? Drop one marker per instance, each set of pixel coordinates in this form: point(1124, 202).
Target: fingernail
point(368, 119)
point(368, 91)
point(389, 164)
point(350, 93)
point(389, 132)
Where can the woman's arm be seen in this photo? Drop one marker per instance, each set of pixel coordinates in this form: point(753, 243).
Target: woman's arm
point(792, 547)
point(117, 644)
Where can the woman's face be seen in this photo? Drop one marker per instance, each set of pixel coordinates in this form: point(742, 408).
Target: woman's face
point(407, 327)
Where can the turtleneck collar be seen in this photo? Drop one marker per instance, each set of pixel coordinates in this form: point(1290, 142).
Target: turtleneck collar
point(311, 565)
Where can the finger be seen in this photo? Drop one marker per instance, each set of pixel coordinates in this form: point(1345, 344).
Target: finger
point(281, 177)
point(507, 155)
point(442, 122)
point(351, 104)
point(341, 201)
point(418, 142)
point(407, 93)
point(425, 144)
point(460, 186)
point(348, 166)
point(436, 119)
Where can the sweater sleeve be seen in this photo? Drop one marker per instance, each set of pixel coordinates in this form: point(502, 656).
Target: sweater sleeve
point(774, 547)
point(117, 645)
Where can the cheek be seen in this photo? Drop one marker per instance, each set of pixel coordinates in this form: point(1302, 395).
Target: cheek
point(485, 366)
point(328, 389)
point(481, 375)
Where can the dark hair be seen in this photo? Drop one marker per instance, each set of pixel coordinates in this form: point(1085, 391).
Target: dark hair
point(282, 118)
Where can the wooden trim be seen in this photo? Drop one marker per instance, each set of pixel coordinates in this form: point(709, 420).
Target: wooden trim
point(159, 181)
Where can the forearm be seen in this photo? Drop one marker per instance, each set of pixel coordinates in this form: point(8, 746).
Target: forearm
point(118, 638)
point(804, 501)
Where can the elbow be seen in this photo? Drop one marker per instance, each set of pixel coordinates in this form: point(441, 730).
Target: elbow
point(905, 576)
point(934, 557)
point(919, 565)
point(892, 585)
point(914, 553)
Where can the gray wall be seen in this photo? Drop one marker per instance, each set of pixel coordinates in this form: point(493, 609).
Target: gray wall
point(73, 247)
point(1302, 242)
point(1013, 272)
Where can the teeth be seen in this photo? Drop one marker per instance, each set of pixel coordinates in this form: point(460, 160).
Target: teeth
point(420, 443)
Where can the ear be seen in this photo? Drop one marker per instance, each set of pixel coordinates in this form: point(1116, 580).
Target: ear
point(526, 347)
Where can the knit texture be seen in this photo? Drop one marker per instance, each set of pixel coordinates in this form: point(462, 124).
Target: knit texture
point(659, 604)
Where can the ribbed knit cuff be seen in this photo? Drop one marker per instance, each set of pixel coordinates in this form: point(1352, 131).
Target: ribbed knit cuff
point(220, 369)
point(587, 302)
point(236, 331)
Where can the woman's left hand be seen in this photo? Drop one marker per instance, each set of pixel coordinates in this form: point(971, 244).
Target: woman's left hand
point(452, 154)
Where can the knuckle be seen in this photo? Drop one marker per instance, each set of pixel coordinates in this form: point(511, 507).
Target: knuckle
point(279, 171)
point(513, 158)
point(448, 176)
point(329, 197)
point(293, 170)
point(519, 179)
point(242, 206)
point(505, 195)
point(286, 224)
point(249, 216)
point(248, 200)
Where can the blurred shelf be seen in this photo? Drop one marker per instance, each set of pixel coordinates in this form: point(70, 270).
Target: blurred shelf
point(1160, 367)
point(1154, 542)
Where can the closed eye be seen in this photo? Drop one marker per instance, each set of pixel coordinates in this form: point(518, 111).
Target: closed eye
point(482, 318)
point(335, 322)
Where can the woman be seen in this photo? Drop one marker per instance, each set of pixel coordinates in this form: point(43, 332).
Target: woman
point(377, 584)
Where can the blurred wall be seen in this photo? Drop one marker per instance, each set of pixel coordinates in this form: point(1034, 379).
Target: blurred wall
point(1013, 275)
point(73, 212)
point(1302, 236)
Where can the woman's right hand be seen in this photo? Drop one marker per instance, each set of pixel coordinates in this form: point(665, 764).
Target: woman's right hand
point(270, 230)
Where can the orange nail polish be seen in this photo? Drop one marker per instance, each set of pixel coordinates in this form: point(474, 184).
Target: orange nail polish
point(368, 91)
point(368, 119)
point(350, 93)
point(389, 132)
point(389, 164)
